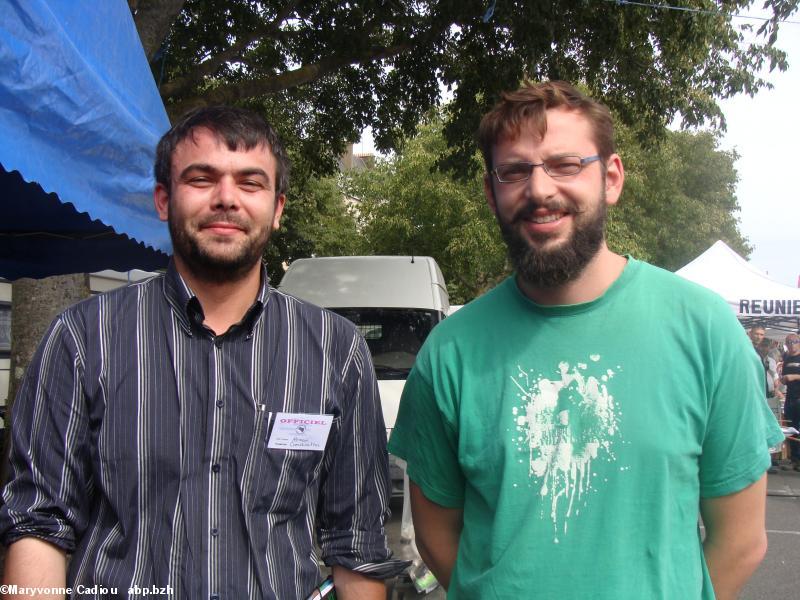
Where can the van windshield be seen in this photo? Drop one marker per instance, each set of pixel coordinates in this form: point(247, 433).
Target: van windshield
point(394, 336)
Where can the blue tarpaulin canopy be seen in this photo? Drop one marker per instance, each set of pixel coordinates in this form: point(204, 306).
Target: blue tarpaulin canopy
point(80, 117)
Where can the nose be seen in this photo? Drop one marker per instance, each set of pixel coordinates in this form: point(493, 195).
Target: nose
point(226, 194)
point(540, 185)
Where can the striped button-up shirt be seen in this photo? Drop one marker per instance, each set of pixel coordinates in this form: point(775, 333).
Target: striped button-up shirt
point(140, 445)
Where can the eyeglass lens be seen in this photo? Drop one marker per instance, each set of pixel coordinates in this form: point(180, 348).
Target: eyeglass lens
point(561, 166)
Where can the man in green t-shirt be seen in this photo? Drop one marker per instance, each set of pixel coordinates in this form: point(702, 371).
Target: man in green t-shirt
point(563, 431)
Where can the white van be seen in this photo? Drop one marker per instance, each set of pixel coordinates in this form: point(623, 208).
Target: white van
point(394, 301)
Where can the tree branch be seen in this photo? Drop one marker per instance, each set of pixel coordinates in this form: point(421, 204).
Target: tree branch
point(270, 85)
point(178, 86)
point(235, 53)
point(284, 14)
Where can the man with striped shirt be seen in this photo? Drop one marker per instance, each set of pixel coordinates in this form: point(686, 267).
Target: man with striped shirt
point(187, 437)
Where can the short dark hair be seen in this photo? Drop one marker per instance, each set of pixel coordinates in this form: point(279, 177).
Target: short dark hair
point(527, 106)
point(239, 128)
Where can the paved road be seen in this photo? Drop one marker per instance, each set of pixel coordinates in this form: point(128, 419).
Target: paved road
point(779, 574)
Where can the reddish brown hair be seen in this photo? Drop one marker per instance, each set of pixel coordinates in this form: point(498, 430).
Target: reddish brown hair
point(526, 107)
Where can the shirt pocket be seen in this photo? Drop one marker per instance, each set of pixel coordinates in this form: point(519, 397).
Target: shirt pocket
point(285, 480)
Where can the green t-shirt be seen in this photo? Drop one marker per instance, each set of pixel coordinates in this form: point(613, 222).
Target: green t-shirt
point(578, 440)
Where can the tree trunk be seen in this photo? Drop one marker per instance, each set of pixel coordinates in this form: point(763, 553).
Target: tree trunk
point(34, 304)
point(153, 19)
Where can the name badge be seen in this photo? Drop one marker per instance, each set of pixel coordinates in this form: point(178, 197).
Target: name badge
point(298, 431)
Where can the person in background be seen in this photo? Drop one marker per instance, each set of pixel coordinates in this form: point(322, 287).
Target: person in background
point(776, 351)
point(756, 335)
point(191, 436)
point(562, 431)
point(790, 376)
point(772, 381)
point(773, 391)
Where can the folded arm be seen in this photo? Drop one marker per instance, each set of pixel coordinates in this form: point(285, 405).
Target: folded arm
point(736, 540)
point(45, 500)
point(437, 530)
point(35, 564)
point(351, 585)
point(353, 504)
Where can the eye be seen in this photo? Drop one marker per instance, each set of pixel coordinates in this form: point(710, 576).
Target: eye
point(199, 181)
point(563, 165)
point(513, 172)
point(251, 185)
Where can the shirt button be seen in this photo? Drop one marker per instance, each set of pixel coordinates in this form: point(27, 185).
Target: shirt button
point(218, 342)
point(215, 468)
point(214, 531)
point(220, 404)
point(214, 597)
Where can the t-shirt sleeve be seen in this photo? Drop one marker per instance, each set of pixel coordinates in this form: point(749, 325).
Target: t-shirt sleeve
point(740, 427)
point(425, 436)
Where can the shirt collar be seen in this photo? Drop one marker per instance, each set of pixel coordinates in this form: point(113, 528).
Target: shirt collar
point(187, 308)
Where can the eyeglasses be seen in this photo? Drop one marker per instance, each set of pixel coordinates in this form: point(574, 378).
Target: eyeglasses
point(560, 166)
point(792, 342)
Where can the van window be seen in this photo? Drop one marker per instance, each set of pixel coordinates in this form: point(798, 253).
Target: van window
point(371, 332)
point(394, 336)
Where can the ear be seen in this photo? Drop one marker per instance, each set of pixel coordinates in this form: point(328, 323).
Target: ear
point(615, 178)
point(488, 191)
point(280, 202)
point(161, 200)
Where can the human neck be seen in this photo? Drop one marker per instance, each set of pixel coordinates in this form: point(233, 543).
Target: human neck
point(598, 275)
point(224, 303)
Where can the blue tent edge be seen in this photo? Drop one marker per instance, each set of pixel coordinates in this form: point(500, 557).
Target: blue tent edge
point(76, 239)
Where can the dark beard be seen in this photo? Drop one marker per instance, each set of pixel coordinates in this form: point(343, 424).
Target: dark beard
point(210, 268)
point(552, 268)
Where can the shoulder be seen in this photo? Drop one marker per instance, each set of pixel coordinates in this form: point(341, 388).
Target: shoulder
point(322, 337)
point(306, 311)
point(694, 311)
point(473, 326)
point(115, 304)
point(74, 328)
point(679, 294)
point(678, 285)
point(702, 323)
point(471, 318)
point(318, 327)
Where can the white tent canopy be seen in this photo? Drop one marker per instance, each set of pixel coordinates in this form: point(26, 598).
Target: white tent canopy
point(751, 294)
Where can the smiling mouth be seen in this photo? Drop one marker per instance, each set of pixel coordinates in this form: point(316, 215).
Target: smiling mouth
point(546, 218)
point(543, 213)
point(222, 226)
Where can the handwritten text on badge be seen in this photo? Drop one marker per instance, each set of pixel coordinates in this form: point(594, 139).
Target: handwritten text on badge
point(298, 431)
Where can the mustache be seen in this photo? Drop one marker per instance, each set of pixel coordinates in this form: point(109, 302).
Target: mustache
point(231, 219)
point(527, 211)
